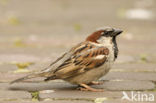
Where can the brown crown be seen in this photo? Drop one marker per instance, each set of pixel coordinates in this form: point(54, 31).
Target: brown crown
point(94, 36)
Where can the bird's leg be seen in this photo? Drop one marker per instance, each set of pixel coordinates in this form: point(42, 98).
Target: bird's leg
point(95, 83)
point(85, 87)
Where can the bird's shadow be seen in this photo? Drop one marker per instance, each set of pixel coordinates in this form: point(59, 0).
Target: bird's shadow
point(30, 86)
point(51, 85)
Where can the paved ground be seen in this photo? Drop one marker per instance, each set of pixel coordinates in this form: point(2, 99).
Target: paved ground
point(34, 33)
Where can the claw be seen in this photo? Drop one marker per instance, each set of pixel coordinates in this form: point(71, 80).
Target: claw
point(85, 87)
point(95, 83)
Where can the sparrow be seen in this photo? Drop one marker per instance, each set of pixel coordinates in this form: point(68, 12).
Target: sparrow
point(86, 62)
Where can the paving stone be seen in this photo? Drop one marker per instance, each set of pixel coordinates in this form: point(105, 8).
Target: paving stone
point(42, 86)
point(5, 94)
point(61, 90)
point(68, 95)
point(135, 67)
point(148, 76)
point(67, 101)
point(129, 93)
point(7, 67)
point(73, 101)
point(8, 58)
point(108, 85)
point(127, 85)
point(125, 59)
point(4, 86)
point(8, 77)
point(125, 101)
point(49, 101)
point(75, 94)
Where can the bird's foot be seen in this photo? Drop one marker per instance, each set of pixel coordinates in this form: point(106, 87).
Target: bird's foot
point(96, 83)
point(85, 87)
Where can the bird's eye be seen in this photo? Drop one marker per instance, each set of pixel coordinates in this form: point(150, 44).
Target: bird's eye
point(107, 32)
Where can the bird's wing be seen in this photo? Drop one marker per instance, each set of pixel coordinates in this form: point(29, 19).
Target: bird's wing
point(53, 66)
point(84, 57)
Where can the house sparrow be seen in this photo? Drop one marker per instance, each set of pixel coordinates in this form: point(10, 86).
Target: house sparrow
point(86, 62)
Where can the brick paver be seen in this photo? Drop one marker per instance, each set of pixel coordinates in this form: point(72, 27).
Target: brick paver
point(40, 31)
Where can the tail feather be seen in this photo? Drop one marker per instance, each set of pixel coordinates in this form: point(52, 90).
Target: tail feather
point(24, 78)
point(34, 75)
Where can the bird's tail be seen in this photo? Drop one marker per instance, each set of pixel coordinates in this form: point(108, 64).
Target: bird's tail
point(24, 78)
point(30, 76)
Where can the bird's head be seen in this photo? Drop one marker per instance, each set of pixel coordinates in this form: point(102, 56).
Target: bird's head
point(104, 35)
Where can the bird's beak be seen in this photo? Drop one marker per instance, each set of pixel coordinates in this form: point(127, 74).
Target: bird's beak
point(117, 32)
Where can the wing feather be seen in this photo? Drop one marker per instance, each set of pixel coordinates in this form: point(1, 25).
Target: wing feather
point(82, 59)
